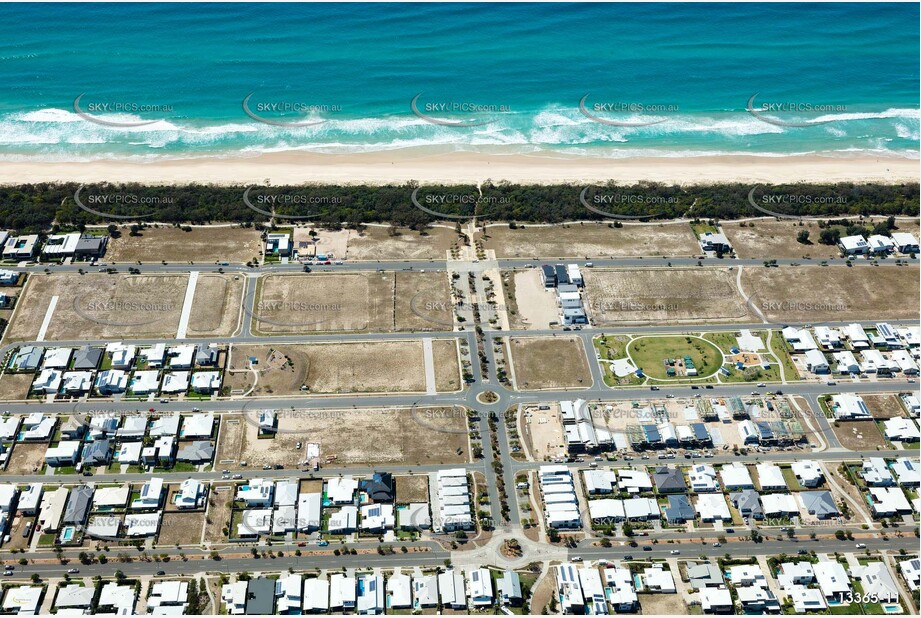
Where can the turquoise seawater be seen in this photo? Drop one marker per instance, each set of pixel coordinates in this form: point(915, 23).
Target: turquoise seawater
point(169, 80)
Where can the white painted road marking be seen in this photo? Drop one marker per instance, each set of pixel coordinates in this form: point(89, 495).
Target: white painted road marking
point(47, 321)
point(187, 305)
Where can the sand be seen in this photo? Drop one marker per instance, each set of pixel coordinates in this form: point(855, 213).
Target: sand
point(435, 165)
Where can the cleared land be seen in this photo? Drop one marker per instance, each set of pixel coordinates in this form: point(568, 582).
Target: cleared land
point(543, 432)
point(859, 435)
point(218, 516)
point(181, 528)
point(363, 437)
point(230, 440)
point(100, 306)
point(650, 354)
point(372, 302)
point(530, 304)
point(26, 458)
point(412, 489)
point(549, 362)
point(815, 293)
point(377, 243)
point(369, 366)
point(776, 239)
point(200, 244)
point(15, 386)
point(590, 240)
point(662, 295)
point(884, 406)
point(216, 305)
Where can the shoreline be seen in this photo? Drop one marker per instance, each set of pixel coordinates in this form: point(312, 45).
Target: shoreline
point(428, 166)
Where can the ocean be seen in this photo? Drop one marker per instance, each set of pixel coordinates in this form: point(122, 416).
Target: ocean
point(140, 81)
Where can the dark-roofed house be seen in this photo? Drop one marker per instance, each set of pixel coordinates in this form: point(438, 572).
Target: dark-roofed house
point(87, 358)
point(819, 503)
point(379, 487)
point(206, 356)
point(700, 433)
point(91, 246)
point(669, 481)
point(679, 510)
point(78, 505)
point(260, 597)
point(200, 451)
point(97, 453)
point(562, 276)
point(651, 433)
point(548, 274)
point(509, 587)
point(748, 502)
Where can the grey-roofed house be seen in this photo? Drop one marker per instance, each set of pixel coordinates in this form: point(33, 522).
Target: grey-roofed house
point(200, 451)
point(509, 587)
point(28, 358)
point(206, 356)
point(679, 510)
point(819, 503)
point(78, 505)
point(748, 502)
point(705, 575)
point(91, 246)
point(97, 453)
point(260, 597)
point(72, 429)
point(87, 358)
point(669, 480)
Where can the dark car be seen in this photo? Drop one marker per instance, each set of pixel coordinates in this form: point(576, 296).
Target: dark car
point(161, 572)
point(628, 557)
point(647, 548)
point(709, 387)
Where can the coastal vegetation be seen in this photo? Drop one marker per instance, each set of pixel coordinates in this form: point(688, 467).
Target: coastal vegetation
point(41, 207)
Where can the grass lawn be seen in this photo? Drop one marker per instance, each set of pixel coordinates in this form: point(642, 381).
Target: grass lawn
point(779, 347)
point(649, 354)
point(701, 227)
point(612, 347)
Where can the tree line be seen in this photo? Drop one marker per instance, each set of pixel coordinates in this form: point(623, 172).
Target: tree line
point(41, 206)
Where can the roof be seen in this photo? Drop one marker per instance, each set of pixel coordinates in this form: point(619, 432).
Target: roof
point(87, 358)
point(679, 508)
point(260, 596)
point(819, 503)
point(198, 451)
point(78, 505)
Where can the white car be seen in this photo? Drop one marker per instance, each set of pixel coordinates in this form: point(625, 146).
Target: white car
point(675, 552)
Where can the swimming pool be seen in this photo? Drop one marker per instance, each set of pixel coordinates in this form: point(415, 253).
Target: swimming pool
point(67, 534)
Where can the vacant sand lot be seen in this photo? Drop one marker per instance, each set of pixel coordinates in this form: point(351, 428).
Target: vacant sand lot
point(26, 458)
point(219, 501)
point(100, 306)
point(376, 243)
point(880, 406)
point(15, 386)
point(858, 435)
point(816, 293)
point(422, 301)
point(543, 432)
point(590, 240)
point(372, 366)
point(216, 305)
point(549, 362)
point(412, 488)
point(181, 528)
point(662, 295)
point(361, 437)
point(776, 239)
point(201, 245)
point(531, 305)
point(350, 302)
point(230, 439)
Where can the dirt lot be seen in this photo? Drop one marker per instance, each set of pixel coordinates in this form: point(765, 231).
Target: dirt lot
point(15, 386)
point(181, 528)
point(662, 604)
point(373, 302)
point(100, 306)
point(859, 435)
point(543, 432)
point(590, 240)
point(531, 305)
point(26, 458)
point(815, 293)
point(881, 406)
point(201, 245)
point(363, 437)
point(376, 243)
point(549, 362)
point(371, 366)
point(412, 489)
point(230, 440)
point(447, 365)
point(216, 305)
point(218, 514)
point(662, 295)
point(776, 239)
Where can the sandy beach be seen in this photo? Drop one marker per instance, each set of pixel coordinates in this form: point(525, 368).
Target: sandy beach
point(428, 167)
